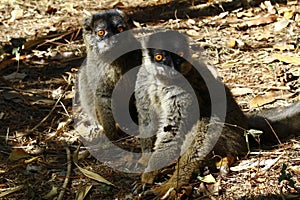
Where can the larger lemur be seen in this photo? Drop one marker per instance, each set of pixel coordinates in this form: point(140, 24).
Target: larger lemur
point(167, 108)
point(169, 124)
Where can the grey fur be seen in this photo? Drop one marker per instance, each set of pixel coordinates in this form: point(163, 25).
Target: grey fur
point(163, 100)
point(103, 68)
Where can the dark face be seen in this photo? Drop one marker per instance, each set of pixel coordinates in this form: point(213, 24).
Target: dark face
point(101, 27)
point(171, 49)
point(172, 60)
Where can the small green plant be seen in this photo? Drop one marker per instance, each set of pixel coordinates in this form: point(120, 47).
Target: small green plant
point(286, 176)
point(255, 133)
point(16, 52)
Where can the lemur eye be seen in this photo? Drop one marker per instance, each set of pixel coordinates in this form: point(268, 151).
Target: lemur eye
point(121, 29)
point(101, 33)
point(158, 57)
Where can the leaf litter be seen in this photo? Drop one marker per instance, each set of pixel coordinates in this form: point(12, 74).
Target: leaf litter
point(255, 51)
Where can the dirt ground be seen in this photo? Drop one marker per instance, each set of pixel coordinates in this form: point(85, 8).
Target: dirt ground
point(253, 46)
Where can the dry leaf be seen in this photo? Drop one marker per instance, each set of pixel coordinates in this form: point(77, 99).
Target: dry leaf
point(17, 154)
point(16, 14)
point(82, 192)
point(287, 59)
point(69, 8)
point(288, 14)
point(52, 193)
point(269, 7)
point(283, 46)
point(269, 97)
point(94, 176)
point(280, 25)
point(118, 4)
point(254, 163)
point(88, 173)
point(11, 190)
point(207, 179)
point(57, 93)
point(191, 21)
point(295, 169)
point(241, 91)
point(193, 33)
point(137, 24)
point(231, 43)
point(260, 100)
point(259, 21)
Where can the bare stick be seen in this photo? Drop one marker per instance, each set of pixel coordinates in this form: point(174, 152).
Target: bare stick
point(62, 192)
point(273, 131)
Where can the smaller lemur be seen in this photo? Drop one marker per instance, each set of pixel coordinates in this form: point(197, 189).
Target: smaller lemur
point(105, 37)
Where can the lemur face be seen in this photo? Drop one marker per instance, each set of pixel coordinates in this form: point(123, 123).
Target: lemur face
point(170, 53)
point(101, 29)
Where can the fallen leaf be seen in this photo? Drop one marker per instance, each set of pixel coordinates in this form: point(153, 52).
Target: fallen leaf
point(11, 190)
point(16, 14)
point(137, 24)
point(260, 180)
point(287, 59)
point(254, 163)
point(241, 91)
point(288, 14)
point(193, 33)
point(207, 179)
point(88, 173)
point(17, 154)
point(269, 97)
point(259, 21)
point(191, 21)
point(231, 43)
point(260, 100)
point(118, 4)
point(52, 193)
point(280, 25)
point(283, 46)
point(82, 192)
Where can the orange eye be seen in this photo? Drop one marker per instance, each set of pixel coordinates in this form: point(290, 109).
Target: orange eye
point(158, 57)
point(120, 29)
point(101, 33)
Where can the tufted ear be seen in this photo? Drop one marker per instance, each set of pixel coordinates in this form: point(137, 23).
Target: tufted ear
point(122, 14)
point(126, 19)
point(87, 23)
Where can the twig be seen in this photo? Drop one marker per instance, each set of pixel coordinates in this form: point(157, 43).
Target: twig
point(45, 118)
point(51, 111)
point(62, 192)
point(273, 131)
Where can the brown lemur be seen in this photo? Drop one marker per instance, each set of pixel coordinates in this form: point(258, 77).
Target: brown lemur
point(187, 112)
point(106, 38)
point(167, 108)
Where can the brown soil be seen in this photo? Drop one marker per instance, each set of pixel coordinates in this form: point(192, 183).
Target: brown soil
point(255, 49)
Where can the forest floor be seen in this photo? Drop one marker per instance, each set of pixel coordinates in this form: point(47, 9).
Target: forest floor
point(254, 49)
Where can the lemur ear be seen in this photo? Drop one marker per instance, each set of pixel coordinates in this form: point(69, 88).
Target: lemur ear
point(87, 23)
point(121, 13)
point(126, 19)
